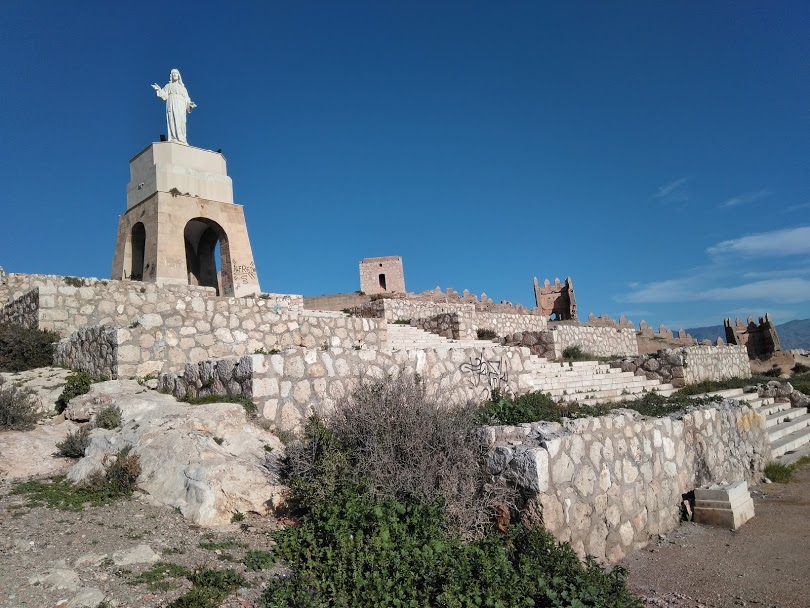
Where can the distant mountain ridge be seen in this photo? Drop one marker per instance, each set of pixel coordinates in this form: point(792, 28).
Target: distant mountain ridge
point(793, 334)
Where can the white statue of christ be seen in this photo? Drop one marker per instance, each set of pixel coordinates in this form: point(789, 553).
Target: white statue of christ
point(178, 103)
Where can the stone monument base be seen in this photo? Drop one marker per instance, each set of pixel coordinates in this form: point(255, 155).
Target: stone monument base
point(174, 236)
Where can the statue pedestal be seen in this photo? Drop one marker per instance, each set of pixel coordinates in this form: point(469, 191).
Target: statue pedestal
point(179, 208)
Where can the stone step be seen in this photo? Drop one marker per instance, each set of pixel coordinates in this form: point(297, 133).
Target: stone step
point(612, 394)
point(779, 417)
point(771, 408)
point(796, 423)
point(602, 400)
point(796, 453)
point(790, 443)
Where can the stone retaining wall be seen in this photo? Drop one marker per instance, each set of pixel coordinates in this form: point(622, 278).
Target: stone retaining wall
point(190, 333)
point(691, 364)
point(22, 311)
point(608, 484)
point(290, 386)
point(93, 350)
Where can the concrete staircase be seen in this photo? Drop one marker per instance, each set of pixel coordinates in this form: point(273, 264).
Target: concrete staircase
point(591, 382)
point(788, 428)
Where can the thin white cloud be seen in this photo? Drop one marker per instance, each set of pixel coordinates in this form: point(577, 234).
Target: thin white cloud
point(667, 190)
point(672, 290)
point(789, 241)
point(744, 199)
point(776, 274)
point(778, 290)
point(797, 207)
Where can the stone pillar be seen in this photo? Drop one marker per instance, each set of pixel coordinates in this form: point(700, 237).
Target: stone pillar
point(179, 207)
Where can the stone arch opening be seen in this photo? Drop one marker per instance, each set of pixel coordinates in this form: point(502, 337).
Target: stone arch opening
point(382, 281)
point(136, 246)
point(208, 259)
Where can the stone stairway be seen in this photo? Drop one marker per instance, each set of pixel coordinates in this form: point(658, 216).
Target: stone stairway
point(406, 337)
point(588, 382)
point(592, 382)
point(788, 428)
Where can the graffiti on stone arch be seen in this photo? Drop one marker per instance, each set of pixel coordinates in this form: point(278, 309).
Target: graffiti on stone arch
point(486, 375)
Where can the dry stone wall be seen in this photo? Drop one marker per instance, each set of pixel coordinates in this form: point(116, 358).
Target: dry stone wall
point(22, 311)
point(608, 484)
point(691, 364)
point(598, 341)
point(93, 350)
point(290, 386)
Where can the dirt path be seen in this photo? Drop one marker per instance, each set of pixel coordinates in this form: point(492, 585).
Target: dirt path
point(764, 563)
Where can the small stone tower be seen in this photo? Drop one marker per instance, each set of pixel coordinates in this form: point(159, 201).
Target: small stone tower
point(179, 209)
point(382, 275)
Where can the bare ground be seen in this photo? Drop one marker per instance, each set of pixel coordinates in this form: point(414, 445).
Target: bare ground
point(764, 563)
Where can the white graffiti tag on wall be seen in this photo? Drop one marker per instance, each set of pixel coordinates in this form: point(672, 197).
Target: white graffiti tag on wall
point(487, 375)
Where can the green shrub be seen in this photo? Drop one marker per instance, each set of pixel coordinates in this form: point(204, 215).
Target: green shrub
point(155, 576)
point(530, 407)
point(354, 551)
point(210, 589)
point(258, 560)
point(402, 322)
point(75, 443)
point(575, 353)
point(117, 481)
point(22, 349)
point(778, 472)
point(801, 383)
point(78, 383)
point(486, 334)
point(800, 368)
point(774, 372)
point(18, 409)
point(108, 418)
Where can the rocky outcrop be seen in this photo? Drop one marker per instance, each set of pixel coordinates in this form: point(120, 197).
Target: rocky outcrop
point(208, 460)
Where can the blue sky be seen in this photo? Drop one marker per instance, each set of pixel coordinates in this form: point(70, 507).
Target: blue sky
point(655, 152)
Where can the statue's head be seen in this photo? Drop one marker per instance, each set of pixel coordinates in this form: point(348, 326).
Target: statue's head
point(174, 76)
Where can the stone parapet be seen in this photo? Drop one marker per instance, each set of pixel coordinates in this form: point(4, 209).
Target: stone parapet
point(609, 484)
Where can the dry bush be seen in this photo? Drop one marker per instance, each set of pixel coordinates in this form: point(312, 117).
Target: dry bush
point(18, 409)
point(404, 443)
point(75, 443)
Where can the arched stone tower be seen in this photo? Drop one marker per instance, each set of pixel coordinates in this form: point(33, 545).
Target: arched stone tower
point(181, 225)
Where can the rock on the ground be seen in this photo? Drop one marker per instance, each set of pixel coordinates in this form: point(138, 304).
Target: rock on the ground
point(25, 454)
point(89, 597)
point(46, 383)
point(208, 460)
point(61, 578)
point(142, 554)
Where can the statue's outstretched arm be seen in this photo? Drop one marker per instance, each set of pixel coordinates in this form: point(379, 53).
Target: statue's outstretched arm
point(160, 92)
